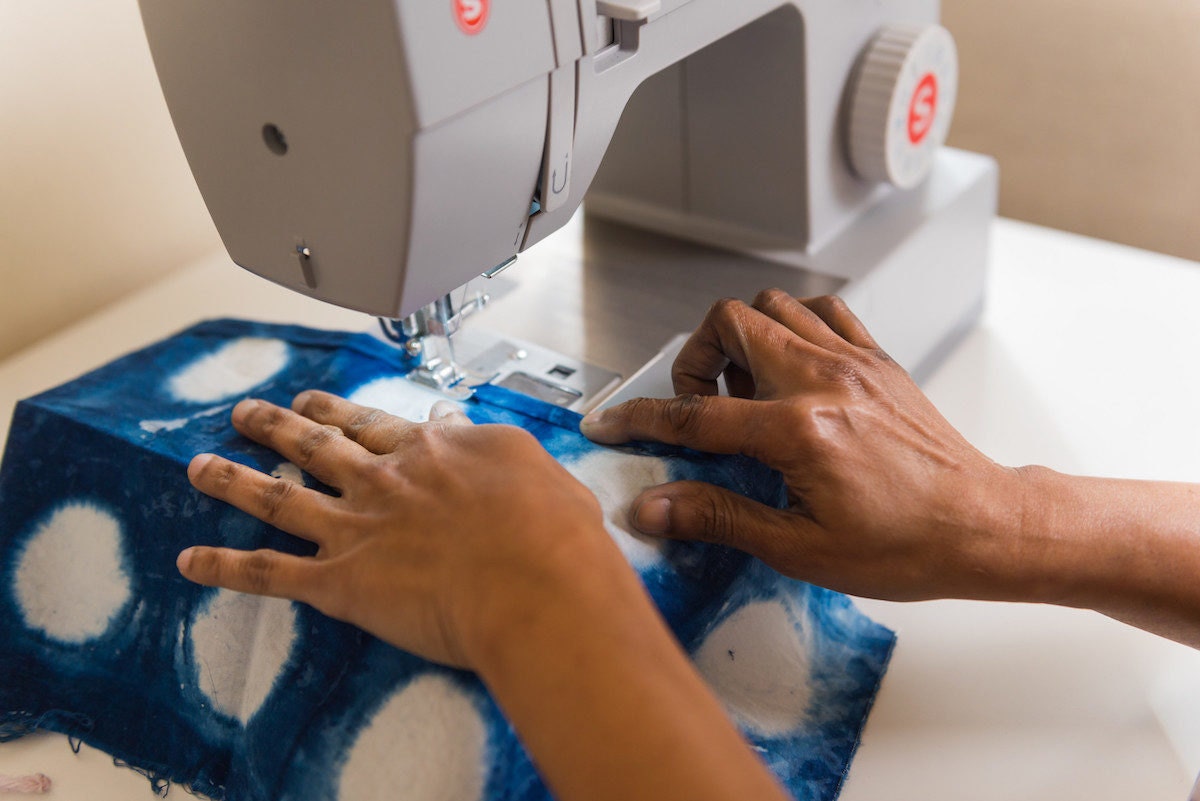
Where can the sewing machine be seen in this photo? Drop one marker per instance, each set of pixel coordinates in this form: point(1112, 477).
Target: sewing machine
point(380, 158)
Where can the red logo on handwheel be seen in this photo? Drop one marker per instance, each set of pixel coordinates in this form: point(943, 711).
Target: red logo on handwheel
point(922, 109)
point(471, 15)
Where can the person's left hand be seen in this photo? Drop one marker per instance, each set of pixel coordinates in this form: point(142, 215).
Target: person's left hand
point(443, 536)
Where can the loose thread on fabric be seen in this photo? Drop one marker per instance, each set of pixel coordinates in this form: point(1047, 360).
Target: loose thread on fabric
point(158, 784)
point(33, 784)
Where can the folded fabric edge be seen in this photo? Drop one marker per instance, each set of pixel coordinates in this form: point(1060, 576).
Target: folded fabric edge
point(884, 665)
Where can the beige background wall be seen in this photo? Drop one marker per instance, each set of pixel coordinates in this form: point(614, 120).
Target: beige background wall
point(1092, 108)
point(95, 195)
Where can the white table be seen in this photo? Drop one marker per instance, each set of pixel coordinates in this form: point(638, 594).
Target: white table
point(1085, 361)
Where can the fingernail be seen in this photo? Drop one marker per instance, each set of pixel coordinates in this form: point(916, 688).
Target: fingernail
point(443, 409)
point(183, 560)
point(243, 408)
point(300, 400)
point(653, 516)
point(591, 423)
point(197, 464)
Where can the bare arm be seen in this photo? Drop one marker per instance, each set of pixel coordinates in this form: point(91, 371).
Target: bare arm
point(1128, 549)
point(442, 553)
point(887, 500)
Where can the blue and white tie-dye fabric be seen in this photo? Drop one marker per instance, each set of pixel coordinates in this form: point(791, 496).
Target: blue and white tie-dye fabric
point(252, 699)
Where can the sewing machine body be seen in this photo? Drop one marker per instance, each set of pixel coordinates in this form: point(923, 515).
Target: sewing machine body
point(380, 159)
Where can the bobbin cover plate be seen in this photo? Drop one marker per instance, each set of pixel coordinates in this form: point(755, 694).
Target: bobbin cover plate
point(902, 101)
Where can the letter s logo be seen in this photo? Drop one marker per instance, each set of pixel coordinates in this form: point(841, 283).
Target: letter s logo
point(471, 15)
point(923, 109)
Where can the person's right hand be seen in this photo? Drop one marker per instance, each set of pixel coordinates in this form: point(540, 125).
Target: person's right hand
point(887, 499)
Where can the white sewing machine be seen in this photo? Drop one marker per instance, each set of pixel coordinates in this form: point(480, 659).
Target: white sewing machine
point(378, 156)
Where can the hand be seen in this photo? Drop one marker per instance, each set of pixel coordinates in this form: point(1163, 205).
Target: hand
point(886, 499)
point(430, 546)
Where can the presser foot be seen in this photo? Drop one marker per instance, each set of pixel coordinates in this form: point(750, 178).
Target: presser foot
point(482, 357)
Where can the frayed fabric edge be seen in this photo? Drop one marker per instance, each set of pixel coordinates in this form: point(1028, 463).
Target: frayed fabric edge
point(76, 728)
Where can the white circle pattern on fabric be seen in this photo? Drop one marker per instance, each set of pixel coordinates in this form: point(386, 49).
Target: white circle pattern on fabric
point(233, 369)
point(240, 644)
point(757, 664)
point(289, 472)
point(617, 478)
point(397, 396)
point(427, 743)
point(70, 578)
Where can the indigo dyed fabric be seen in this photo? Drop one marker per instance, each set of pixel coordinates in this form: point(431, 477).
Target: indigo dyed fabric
point(257, 699)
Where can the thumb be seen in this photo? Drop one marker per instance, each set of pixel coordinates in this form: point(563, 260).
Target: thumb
point(694, 510)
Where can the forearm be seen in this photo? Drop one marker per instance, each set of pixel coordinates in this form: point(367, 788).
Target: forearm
point(608, 704)
point(1128, 549)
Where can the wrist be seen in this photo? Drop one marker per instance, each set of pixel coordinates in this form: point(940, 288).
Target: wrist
point(1047, 548)
point(1079, 542)
point(1023, 544)
point(590, 647)
point(528, 609)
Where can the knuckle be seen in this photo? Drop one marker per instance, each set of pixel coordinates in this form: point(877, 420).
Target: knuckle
point(831, 303)
point(366, 420)
point(771, 298)
point(833, 310)
point(273, 500)
point(420, 438)
point(841, 370)
point(637, 409)
point(255, 571)
point(687, 413)
point(727, 308)
point(881, 356)
point(716, 519)
point(313, 441)
point(836, 368)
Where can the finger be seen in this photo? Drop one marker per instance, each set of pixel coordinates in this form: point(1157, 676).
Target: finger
point(320, 449)
point(715, 424)
point(373, 429)
point(837, 315)
point(275, 501)
point(739, 383)
point(694, 510)
point(800, 319)
point(449, 413)
point(262, 572)
point(732, 334)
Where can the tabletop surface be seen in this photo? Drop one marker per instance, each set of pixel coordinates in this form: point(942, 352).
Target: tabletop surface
point(1083, 361)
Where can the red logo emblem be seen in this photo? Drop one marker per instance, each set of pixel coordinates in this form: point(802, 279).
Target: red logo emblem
point(923, 109)
point(471, 15)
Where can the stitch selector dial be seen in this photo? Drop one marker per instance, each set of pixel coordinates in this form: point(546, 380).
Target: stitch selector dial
point(902, 100)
